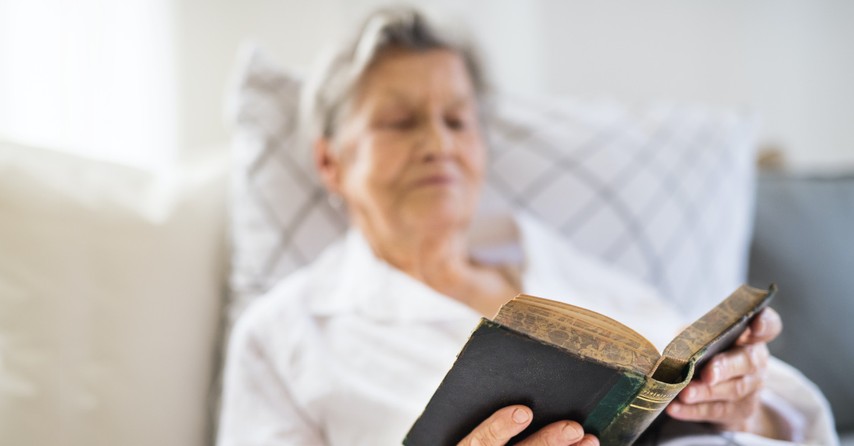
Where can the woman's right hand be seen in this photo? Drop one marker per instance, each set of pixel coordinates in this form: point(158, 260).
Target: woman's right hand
point(508, 422)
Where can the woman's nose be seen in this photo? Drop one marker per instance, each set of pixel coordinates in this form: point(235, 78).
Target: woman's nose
point(438, 139)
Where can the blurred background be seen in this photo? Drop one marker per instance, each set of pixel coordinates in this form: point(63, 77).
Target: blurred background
point(141, 81)
point(114, 159)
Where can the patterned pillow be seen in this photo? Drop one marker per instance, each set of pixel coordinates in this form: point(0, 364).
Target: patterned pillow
point(664, 192)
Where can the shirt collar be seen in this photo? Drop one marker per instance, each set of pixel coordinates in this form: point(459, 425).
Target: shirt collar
point(354, 280)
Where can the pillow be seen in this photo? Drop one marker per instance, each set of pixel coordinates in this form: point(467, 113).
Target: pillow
point(280, 217)
point(663, 191)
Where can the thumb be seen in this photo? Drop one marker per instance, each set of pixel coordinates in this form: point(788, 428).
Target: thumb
point(764, 328)
point(500, 427)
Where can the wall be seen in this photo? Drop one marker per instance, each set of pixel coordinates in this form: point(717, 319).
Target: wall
point(790, 60)
point(90, 77)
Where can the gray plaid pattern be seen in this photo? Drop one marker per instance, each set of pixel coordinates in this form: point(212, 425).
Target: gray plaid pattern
point(280, 218)
point(663, 192)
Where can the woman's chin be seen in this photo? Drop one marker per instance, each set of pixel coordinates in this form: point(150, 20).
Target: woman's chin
point(439, 216)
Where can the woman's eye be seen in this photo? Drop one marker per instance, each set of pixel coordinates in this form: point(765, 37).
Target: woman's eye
point(399, 124)
point(455, 123)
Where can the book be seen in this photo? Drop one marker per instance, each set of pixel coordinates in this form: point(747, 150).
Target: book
point(570, 363)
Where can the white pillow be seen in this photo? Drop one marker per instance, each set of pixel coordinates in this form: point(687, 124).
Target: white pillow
point(664, 192)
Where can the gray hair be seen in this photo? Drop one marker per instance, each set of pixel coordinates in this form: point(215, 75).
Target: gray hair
point(329, 93)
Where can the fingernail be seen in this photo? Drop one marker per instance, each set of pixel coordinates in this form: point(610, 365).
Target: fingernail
point(521, 416)
point(691, 393)
point(756, 356)
point(760, 328)
point(716, 373)
point(571, 431)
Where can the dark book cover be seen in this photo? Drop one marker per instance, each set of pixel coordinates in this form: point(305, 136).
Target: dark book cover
point(487, 376)
point(568, 363)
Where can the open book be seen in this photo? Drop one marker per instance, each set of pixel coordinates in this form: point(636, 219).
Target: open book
point(569, 363)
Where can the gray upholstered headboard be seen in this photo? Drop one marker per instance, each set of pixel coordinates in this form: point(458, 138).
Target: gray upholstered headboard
point(804, 241)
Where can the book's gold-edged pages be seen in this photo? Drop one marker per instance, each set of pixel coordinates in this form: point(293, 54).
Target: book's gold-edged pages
point(581, 331)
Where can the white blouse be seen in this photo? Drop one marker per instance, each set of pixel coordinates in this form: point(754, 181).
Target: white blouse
point(349, 350)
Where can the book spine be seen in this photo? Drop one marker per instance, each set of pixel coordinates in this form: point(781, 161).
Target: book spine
point(636, 416)
point(623, 392)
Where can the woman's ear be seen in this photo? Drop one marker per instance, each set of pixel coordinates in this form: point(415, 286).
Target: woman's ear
point(328, 165)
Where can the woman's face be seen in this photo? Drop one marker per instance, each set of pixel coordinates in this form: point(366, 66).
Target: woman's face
point(409, 154)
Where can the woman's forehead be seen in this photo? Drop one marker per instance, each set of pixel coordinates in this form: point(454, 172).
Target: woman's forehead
point(404, 76)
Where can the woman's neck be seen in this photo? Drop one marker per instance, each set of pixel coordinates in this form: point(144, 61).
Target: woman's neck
point(425, 255)
point(440, 258)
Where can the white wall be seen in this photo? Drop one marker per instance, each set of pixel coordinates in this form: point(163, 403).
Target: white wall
point(90, 77)
point(791, 60)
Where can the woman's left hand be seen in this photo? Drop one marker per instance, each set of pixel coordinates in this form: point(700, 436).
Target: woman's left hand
point(727, 391)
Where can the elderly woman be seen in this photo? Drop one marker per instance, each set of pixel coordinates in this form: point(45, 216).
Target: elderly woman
point(349, 350)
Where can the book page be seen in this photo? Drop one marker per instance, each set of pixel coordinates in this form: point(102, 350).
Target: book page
point(578, 330)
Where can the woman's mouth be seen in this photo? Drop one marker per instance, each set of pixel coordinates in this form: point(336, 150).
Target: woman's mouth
point(435, 180)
